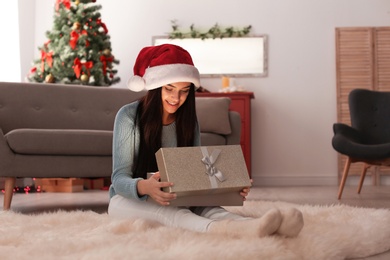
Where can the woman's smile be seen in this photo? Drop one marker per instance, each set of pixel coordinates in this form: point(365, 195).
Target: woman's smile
point(173, 96)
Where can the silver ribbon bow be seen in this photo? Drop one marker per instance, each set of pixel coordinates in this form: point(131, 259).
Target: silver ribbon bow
point(211, 170)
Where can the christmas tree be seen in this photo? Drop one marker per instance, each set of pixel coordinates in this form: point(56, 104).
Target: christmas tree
point(78, 49)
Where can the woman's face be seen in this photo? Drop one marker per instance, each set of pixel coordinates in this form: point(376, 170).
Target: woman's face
point(173, 96)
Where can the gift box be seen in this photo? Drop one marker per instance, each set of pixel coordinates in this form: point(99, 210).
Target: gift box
point(60, 184)
point(94, 184)
point(204, 175)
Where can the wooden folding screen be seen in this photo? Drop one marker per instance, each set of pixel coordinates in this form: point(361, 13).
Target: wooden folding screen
point(362, 61)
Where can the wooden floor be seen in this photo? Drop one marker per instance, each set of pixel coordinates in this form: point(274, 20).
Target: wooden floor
point(371, 197)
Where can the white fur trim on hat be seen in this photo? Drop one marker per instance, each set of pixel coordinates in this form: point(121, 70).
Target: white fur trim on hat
point(159, 76)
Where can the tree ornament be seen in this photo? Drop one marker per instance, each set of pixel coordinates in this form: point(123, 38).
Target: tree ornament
point(76, 26)
point(49, 78)
point(77, 2)
point(107, 52)
point(84, 78)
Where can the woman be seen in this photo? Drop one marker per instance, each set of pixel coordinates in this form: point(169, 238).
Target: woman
point(166, 117)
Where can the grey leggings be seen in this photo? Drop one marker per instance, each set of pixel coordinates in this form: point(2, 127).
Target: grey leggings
point(194, 218)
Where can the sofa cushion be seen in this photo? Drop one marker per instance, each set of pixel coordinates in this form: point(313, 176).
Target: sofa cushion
point(213, 114)
point(60, 142)
point(209, 139)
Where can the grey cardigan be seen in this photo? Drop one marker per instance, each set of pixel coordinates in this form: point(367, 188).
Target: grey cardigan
point(126, 142)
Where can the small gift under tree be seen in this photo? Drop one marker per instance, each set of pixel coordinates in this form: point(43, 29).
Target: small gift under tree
point(78, 49)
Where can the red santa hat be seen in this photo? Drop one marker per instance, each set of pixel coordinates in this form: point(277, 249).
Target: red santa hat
point(160, 65)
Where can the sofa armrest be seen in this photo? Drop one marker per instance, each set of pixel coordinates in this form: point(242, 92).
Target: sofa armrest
point(235, 124)
point(5, 156)
point(6, 171)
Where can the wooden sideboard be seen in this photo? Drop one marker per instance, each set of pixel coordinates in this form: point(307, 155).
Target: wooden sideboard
point(241, 102)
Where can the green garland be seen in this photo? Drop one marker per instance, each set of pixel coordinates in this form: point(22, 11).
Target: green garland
point(214, 32)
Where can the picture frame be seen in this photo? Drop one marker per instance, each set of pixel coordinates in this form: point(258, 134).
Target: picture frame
point(230, 56)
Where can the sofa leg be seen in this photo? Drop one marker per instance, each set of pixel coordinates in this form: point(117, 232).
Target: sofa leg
point(9, 192)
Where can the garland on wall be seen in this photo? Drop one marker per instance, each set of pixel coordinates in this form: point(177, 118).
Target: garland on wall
point(214, 32)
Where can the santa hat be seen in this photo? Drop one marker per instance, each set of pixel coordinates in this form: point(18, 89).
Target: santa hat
point(160, 65)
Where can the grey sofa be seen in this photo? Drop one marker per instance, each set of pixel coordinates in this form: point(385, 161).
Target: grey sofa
point(61, 131)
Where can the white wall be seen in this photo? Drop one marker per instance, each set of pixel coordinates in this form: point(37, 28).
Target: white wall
point(28, 50)
point(294, 107)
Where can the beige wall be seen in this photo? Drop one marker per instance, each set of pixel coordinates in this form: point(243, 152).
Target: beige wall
point(294, 107)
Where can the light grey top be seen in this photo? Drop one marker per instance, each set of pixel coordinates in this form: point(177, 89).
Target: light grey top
point(126, 141)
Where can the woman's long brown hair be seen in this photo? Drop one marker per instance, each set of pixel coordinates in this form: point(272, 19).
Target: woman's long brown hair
point(149, 118)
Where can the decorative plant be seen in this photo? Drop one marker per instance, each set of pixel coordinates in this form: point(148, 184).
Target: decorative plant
point(78, 48)
point(214, 32)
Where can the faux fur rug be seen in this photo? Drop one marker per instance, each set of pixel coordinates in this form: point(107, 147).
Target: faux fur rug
point(331, 232)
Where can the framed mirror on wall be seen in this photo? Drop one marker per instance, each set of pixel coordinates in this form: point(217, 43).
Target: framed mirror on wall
point(232, 57)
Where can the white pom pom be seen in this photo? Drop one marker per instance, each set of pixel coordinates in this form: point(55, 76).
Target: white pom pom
point(136, 83)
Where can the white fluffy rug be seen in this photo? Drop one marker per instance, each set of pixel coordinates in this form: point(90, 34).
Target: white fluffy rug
point(334, 232)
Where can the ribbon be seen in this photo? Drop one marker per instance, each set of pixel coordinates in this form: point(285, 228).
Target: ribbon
point(78, 65)
point(209, 160)
point(48, 57)
point(74, 37)
point(99, 21)
point(104, 61)
point(33, 70)
point(66, 3)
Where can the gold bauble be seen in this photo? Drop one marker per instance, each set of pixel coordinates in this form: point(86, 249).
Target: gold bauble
point(49, 78)
point(107, 52)
point(76, 26)
point(84, 78)
point(77, 2)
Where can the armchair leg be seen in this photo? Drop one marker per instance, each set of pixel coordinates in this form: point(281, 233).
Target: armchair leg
point(9, 192)
point(344, 178)
point(365, 167)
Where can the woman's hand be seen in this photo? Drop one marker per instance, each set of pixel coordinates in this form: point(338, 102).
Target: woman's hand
point(152, 187)
point(245, 191)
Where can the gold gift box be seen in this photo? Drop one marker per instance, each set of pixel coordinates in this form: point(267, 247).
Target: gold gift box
point(60, 184)
point(204, 175)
